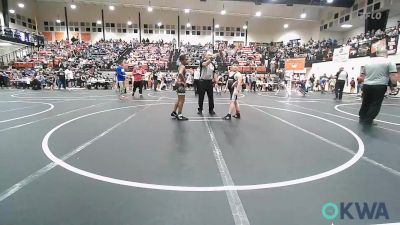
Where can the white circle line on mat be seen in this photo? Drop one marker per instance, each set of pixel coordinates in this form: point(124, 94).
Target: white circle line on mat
point(58, 97)
point(357, 156)
point(33, 114)
point(150, 94)
point(351, 114)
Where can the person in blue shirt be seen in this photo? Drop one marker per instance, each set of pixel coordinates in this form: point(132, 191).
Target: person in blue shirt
point(121, 80)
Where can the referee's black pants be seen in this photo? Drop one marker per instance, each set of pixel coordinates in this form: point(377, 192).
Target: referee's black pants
point(206, 86)
point(339, 86)
point(196, 86)
point(373, 96)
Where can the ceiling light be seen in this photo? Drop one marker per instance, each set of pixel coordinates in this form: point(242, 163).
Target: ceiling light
point(187, 10)
point(245, 27)
point(129, 23)
point(303, 15)
point(223, 12)
point(73, 6)
point(258, 13)
point(346, 26)
point(58, 21)
point(159, 24)
point(188, 25)
point(329, 1)
point(149, 9)
point(99, 22)
point(12, 11)
point(285, 25)
point(111, 7)
point(21, 5)
point(216, 25)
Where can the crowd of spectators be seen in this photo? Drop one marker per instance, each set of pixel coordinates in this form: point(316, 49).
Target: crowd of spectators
point(152, 56)
point(272, 55)
point(195, 52)
point(81, 62)
point(65, 64)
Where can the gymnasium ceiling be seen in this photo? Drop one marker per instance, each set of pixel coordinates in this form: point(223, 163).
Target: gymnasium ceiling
point(335, 3)
point(247, 8)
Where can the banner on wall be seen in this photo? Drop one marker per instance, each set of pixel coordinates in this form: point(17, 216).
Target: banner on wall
point(297, 64)
point(376, 21)
point(59, 36)
point(341, 54)
point(377, 45)
point(392, 38)
point(48, 36)
point(86, 37)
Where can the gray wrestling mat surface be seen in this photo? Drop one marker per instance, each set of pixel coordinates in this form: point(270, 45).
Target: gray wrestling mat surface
point(85, 157)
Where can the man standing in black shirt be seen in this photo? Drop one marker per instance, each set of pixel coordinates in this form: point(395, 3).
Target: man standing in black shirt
point(61, 78)
point(342, 78)
point(155, 78)
point(312, 80)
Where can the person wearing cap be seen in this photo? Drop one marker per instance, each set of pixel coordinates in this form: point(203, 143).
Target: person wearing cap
point(207, 77)
point(377, 74)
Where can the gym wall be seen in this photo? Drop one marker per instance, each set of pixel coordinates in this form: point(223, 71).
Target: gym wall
point(24, 18)
point(392, 21)
point(259, 29)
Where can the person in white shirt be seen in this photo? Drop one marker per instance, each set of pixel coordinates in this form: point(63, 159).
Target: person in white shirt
point(196, 77)
point(207, 78)
point(145, 80)
point(189, 80)
point(341, 79)
point(69, 75)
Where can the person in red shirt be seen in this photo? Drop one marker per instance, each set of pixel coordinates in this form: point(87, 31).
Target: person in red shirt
point(137, 73)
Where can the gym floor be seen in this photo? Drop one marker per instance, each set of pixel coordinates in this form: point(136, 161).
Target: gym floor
point(85, 157)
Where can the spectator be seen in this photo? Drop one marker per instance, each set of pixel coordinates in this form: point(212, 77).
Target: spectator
point(61, 79)
point(352, 85)
point(360, 81)
point(312, 80)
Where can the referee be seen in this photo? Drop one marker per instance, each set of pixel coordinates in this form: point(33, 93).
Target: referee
point(342, 78)
point(207, 78)
point(377, 75)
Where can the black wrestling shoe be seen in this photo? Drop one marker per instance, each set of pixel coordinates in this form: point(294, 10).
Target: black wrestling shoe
point(237, 116)
point(200, 113)
point(181, 118)
point(227, 117)
point(212, 113)
point(174, 114)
